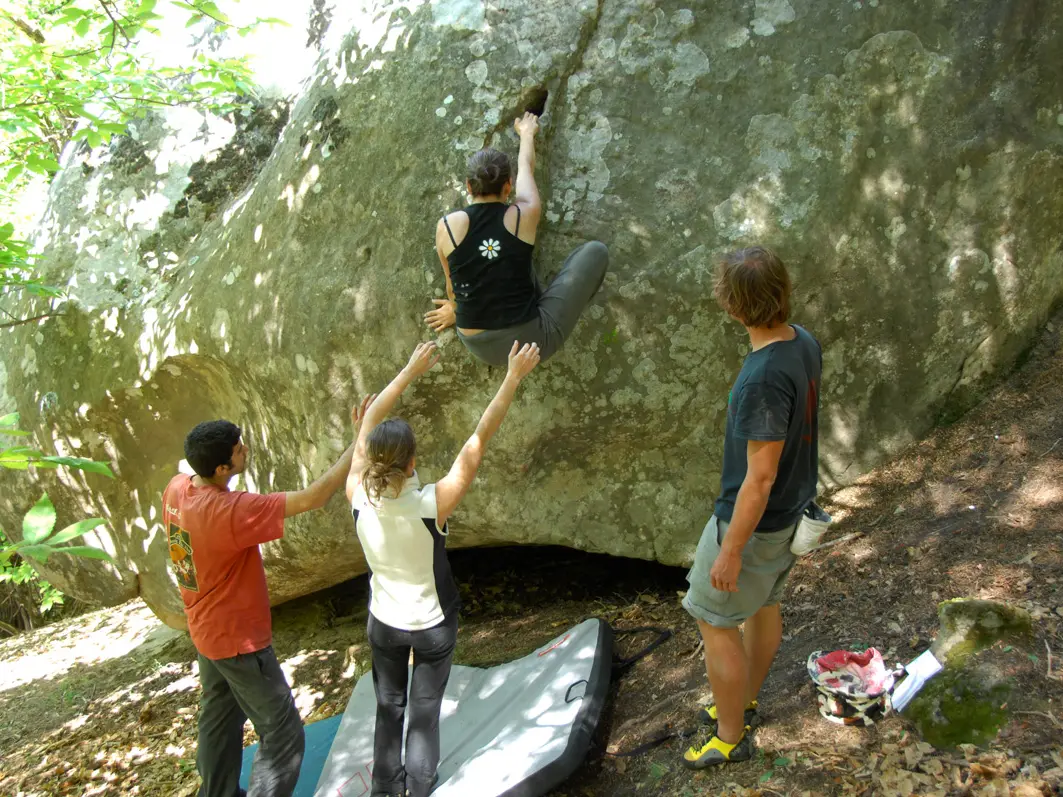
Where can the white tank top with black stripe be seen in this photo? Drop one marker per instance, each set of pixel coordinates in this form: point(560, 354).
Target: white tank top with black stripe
point(412, 586)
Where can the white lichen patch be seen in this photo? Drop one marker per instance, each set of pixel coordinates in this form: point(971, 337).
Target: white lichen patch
point(477, 72)
point(586, 146)
point(690, 63)
point(737, 39)
point(770, 14)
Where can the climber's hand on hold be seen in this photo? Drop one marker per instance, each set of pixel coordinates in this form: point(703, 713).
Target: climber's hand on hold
point(442, 316)
point(526, 125)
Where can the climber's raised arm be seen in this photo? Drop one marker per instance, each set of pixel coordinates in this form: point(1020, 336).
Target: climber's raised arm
point(527, 192)
point(452, 487)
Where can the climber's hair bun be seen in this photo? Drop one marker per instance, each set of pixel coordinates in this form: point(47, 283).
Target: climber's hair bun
point(487, 172)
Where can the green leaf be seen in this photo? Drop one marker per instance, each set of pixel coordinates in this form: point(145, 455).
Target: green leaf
point(211, 8)
point(111, 127)
point(89, 465)
point(82, 27)
point(41, 290)
point(9, 421)
point(79, 529)
point(49, 164)
point(39, 521)
point(38, 552)
point(782, 761)
point(86, 551)
point(94, 138)
point(765, 777)
point(6, 231)
point(71, 11)
point(35, 165)
point(17, 452)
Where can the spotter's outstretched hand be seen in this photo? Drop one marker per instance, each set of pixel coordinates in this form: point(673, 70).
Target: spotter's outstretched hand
point(522, 361)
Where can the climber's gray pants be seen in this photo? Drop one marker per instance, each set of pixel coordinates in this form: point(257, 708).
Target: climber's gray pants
point(559, 309)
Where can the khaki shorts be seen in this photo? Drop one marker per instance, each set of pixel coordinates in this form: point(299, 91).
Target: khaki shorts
point(766, 563)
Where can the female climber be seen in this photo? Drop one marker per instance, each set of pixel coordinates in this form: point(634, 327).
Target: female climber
point(402, 526)
point(493, 295)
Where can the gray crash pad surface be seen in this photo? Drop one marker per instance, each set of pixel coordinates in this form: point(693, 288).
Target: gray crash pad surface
point(517, 729)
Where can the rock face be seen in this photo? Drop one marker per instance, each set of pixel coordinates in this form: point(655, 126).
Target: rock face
point(905, 158)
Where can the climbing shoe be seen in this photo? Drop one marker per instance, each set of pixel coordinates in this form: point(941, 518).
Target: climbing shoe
point(716, 751)
point(707, 715)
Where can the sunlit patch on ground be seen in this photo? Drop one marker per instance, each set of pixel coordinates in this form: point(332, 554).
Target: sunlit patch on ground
point(52, 651)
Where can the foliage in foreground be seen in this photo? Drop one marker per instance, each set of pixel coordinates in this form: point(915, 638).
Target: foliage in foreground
point(76, 71)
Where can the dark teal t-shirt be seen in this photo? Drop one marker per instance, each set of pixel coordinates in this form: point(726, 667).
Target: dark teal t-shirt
point(776, 397)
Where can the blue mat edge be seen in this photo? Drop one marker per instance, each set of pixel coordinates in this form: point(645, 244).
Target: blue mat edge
point(319, 738)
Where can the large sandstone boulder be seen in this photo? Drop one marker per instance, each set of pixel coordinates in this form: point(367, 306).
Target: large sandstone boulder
point(904, 157)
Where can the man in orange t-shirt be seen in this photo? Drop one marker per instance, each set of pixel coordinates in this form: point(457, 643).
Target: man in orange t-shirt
point(213, 535)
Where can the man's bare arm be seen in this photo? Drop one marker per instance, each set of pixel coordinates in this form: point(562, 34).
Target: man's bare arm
point(317, 494)
point(762, 465)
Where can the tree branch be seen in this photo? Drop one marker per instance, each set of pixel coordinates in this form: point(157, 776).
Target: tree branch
point(22, 321)
point(208, 14)
point(82, 52)
point(26, 28)
point(115, 25)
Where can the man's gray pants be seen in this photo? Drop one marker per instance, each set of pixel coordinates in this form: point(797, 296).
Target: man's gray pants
point(249, 686)
point(560, 307)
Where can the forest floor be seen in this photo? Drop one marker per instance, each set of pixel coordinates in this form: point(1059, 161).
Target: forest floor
point(106, 703)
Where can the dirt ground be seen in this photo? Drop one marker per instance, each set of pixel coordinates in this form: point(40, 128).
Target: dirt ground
point(105, 704)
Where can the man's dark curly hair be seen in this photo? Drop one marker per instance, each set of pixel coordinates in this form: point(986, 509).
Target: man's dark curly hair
point(210, 445)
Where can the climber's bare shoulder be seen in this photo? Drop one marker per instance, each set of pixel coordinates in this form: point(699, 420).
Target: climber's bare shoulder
point(458, 221)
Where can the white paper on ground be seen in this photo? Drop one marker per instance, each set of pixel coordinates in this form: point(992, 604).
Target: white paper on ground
point(922, 668)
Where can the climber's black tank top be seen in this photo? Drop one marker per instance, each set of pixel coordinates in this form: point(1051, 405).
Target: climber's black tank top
point(491, 271)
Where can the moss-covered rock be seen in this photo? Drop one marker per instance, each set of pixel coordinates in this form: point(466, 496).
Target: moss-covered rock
point(962, 705)
point(967, 702)
point(968, 626)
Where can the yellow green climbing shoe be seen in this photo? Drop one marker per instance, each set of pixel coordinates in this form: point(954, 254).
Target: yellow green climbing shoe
point(716, 751)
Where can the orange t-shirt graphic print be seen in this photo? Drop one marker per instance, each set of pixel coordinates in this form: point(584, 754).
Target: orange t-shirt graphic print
point(184, 566)
point(213, 536)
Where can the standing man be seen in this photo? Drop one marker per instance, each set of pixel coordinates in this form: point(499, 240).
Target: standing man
point(214, 534)
point(770, 469)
